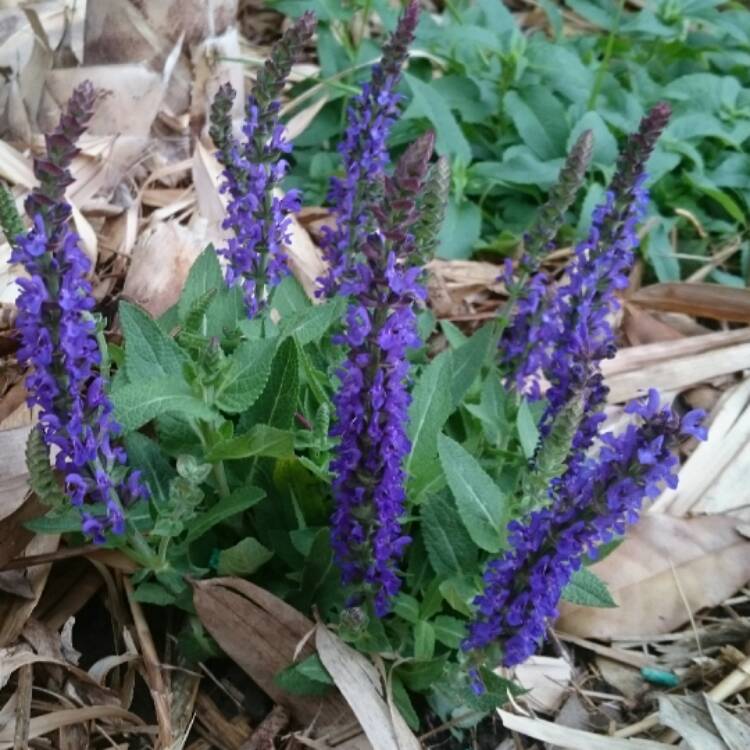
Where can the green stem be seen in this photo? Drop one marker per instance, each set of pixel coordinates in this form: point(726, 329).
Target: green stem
point(140, 550)
point(604, 67)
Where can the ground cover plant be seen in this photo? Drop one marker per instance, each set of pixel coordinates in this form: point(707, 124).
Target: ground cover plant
point(507, 103)
point(434, 508)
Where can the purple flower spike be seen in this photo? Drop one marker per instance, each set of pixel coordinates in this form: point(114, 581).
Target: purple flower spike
point(59, 345)
point(372, 402)
point(363, 149)
point(563, 332)
point(253, 169)
point(591, 506)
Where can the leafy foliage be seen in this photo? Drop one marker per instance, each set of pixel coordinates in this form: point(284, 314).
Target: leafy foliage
point(507, 104)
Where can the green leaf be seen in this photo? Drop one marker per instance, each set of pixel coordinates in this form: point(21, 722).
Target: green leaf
point(427, 102)
point(138, 403)
point(42, 479)
point(421, 675)
point(528, 432)
point(403, 703)
point(450, 631)
point(289, 298)
point(241, 499)
point(153, 593)
point(205, 275)
point(406, 607)
point(481, 504)
point(307, 677)
point(247, 375)
point(430, 408)
point(146, 455)
point(459, 593)
point(278, 402)
point(534, 127)
point(312, 323)
point(424, 641)
point(149, 352)
point(227, 308)
point(243, 559)
point(587, 589)
point(469, 359)
point(461, 230)
point(660, 251)
point(605, 144)
point(261, 440)
point(57, 522)
point(449, 546)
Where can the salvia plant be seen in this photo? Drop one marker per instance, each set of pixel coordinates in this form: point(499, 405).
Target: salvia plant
point(435, 496)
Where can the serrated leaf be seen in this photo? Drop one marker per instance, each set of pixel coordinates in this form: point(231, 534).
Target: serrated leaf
point(138, 403)
point(247, 375)
point(57, 522)
point(587, 589)
point(450, 631)
point(430, 408)
point(312, 323)
point(406, 607)
point(403, 703)
point(153, 593)
point(449, 546)
point(146, 455)
point(468, 360)
point(421, 675)
point(481, 504)
point(459, 593)
point(42, 478)
point(424, 641)
point(243, 559)
point(240, 500)
point(149, 352)
point(308, 677)
point(528, 434)
point(260, 440)
point(205, 274)
point(429, 103)
point(277, 404)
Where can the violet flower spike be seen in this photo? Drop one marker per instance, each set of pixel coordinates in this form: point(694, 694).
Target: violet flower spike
point(372, 401)
point(563, 333)
point(58, 342)
point(370, 118)
point(253, 170)
point(597, 502)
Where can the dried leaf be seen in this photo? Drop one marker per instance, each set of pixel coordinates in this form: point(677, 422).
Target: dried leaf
point(663, 563)
point(16, 612)
point(689, 717)
point(13, 483)
point(261, 633)
point(161, 261)
point(735, 733)
point(547, 678)
point(573, 739)
point(699, 300)
point(51, 722)
point(674, 365)
point(362, 686)
point(714, 478)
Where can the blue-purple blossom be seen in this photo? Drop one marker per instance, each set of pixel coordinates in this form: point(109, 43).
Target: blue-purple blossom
point(258, 220)
point(562, 332)
point(370, 117)
point(372, 401)
point(591, 506)
point(254, 168)
point(59, 344)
